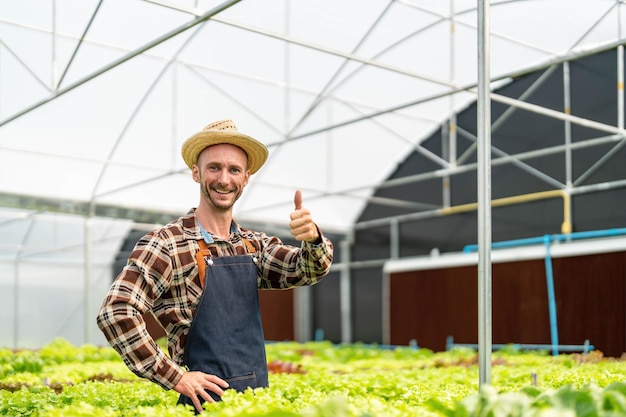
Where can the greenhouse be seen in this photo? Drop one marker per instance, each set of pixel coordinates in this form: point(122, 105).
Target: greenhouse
point(378, 111)
point(465, 158)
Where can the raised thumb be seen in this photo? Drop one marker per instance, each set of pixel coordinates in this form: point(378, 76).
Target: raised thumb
point(297, 199)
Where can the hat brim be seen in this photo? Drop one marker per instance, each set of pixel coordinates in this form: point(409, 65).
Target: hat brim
point(256, 151)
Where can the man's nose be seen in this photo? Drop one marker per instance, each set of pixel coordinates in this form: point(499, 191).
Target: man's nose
point(224, 178)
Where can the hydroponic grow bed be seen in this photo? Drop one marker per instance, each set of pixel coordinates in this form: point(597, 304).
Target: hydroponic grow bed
point(320, 379)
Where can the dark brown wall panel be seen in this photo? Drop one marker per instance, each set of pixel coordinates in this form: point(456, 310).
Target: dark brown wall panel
point(430, 305)
point(520, 303)
point(590, 298)
point(277, 312)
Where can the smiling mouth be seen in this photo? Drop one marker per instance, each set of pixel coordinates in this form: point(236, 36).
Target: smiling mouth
point(222, 192)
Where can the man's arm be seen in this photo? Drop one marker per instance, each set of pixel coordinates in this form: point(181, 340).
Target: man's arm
point(131, 295)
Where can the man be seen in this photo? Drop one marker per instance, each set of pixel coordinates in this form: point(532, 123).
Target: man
point(212, 319)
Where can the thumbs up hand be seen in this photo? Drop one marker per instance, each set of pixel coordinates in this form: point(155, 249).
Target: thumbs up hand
point(302, 225)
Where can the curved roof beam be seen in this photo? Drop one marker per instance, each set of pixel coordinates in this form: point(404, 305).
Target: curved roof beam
point(208, 15)
point(80, 42)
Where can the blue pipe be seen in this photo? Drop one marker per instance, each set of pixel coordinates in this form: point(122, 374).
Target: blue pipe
point(555, 237)
point(554, 332)
point(547, 241)
point(585, 348)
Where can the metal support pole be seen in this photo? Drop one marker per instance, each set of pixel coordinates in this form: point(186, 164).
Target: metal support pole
point(345, 292)
point(88, 277)
point(449, 141)
point(484, 197)
point(567, 104)
point(620, 87)
point(16, 303)
point(302, 314)
point(394, 239)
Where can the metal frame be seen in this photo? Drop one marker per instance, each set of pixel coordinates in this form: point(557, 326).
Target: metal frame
point(449, 166)
point(451, 163)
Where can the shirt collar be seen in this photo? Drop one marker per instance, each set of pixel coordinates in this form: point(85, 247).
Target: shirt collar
point(208, 237)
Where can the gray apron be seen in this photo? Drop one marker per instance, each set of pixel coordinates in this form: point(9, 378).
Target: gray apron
point(226, 335)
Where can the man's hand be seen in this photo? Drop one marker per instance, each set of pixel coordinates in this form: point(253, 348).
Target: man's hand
point(194, 384)
point(301, 225)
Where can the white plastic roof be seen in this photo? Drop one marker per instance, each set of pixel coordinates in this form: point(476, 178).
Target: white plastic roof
point(96, 97)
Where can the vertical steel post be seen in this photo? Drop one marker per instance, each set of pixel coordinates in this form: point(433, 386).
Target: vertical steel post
point(484, 196)
point(345, 291)
point(620, 71)
point(620, 86)
point(88, 279)
point(448, 141)
point(567, 104)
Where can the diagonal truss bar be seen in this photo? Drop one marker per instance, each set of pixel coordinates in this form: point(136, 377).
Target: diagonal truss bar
point(603, 127)
point(410, 179)
point(26, 67)
point(471, 88)
point(134, 114)
point(536, 85)
point(208, 15)
point(80, 42)
point(605, 158)
point(522, 165)
point(319, 97)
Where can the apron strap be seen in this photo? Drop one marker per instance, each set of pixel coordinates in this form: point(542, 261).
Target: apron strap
point(249, 245)
point(204, 251)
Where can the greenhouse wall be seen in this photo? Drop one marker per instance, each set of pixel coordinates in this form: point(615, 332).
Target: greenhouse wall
point(54, 272)
point(433, 298)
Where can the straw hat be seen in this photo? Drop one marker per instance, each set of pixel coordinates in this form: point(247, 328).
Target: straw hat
point(224, 131)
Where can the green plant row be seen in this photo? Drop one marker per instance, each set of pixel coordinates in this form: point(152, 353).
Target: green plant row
point(324, 380)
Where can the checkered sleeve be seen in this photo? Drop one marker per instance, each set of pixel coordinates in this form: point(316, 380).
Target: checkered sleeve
point(284, 266)
point(132, 294)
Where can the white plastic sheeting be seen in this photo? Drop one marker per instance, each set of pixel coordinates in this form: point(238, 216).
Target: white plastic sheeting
point(96, 98)
point(51, 282)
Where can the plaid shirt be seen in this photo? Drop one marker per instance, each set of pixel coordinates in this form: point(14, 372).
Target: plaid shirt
point(161, 276)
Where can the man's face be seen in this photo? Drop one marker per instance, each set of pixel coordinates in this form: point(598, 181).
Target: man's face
point(222, 171)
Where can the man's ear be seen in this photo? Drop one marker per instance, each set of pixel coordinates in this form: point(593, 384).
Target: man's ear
point(195, 173)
